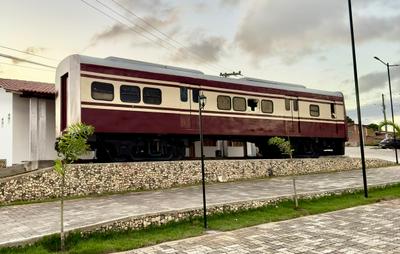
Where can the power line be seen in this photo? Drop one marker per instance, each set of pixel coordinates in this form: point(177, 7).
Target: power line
point(25, 60)
point(142, 28)
point(132, 27)
point(28, 53)
point(113, 18)
point(26, 67)
point(164, 34)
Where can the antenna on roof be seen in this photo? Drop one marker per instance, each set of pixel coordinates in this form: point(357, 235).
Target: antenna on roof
point(226, 74)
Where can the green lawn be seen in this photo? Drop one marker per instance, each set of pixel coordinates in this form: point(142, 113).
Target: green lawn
point(120, 241)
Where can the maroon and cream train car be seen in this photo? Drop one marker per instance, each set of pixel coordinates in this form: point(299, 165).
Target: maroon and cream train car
point(144, 110)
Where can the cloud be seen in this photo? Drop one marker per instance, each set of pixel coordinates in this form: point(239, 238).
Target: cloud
point(295, 29)
point(163, 17)
point(204, 50)
point(30, 50)
point(229, 2)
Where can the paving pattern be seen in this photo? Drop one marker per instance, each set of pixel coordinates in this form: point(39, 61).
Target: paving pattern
point(364, 229)
point(19, 223)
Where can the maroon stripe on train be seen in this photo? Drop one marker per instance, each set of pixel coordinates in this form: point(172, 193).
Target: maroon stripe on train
point(118, 121)
point(200, 82)
point(205, 111)
point(183, 85)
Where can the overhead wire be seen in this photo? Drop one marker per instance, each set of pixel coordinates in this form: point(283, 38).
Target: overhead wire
point(184, 47)
point(14, 58)
point(26, 67)
point(28, 53)
point(132, 27)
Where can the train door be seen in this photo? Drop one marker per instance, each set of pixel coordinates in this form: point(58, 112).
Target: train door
point(64, 101)
point(333, 116)
point(185, 106)
point(295, 115)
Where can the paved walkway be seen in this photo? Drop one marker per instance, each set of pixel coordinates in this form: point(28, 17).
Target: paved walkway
point(24, 222)
point(364, 229)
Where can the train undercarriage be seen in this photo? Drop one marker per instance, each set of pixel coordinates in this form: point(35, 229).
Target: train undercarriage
point(124, 148)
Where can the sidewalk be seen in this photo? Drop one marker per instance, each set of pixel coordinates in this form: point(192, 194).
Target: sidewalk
point(364, 229)
point(24, 222)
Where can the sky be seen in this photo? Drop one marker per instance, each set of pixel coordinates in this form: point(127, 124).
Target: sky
point(297, 41)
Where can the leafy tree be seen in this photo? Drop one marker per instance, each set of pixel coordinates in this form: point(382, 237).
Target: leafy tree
point(395, 126)
point(349, 120)
point(373, 126)
point(70, 146)
point(285, 148)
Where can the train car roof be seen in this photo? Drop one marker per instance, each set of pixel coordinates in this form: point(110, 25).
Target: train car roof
point(191, 73)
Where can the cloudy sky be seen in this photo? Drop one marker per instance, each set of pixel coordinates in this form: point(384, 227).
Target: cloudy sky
point(297, 41)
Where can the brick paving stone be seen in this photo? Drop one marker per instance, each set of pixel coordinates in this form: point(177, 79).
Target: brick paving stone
point(22, 222)
point(370, 229)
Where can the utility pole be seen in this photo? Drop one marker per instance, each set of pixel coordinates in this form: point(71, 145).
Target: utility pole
point(384, 112)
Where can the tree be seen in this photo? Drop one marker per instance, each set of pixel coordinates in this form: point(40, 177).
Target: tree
point(373, 126)
point(395, 126)
point(70, 146)
point(285, 148)
point(349, 120)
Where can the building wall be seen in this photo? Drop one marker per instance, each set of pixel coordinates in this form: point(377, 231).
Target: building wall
point(20, 146)
point(49, 151)
point(6, 126)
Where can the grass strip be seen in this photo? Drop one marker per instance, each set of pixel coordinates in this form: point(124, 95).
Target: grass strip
point(120, 241)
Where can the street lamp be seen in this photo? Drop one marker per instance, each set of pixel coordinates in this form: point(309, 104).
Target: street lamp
point(364, 173)
point(202, 103)
point(391, 102)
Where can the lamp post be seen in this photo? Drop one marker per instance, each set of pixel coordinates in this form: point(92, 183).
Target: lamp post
point(364, 173)
point(391, 102)
point(202, 103)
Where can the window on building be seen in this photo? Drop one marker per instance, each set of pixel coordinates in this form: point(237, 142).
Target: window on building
point(267, 106)
point(295, 105)
point(195, 95)
point(252, 104)
point(130, 94)
point(333, 111)
point(152, 96)
point(224, 102)
point(314, 110)
point(184, 94)
point(239, 104)
point(287, 104)
point(102, 91)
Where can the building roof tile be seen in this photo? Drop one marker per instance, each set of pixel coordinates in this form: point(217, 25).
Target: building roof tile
point(28, 87)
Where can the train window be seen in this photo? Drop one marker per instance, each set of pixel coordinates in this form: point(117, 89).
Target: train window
point(224, 102)
point(253, 104)
point(239, 104)
point(152, 95)
point(314, 110)
point(195, 95)
point(295, 105)
point(102, 91)
point(184, 94)
point(287, 104)
point(333, 113)
point(267, 106)
point(130, 93)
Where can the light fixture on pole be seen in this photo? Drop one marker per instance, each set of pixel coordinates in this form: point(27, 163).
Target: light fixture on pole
point(391, 103)
point(364, 173)
point(202, 103)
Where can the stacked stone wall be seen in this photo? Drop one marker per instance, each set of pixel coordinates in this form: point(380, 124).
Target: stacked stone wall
point(92, 179)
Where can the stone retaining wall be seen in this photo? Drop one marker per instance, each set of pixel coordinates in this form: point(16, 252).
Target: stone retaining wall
point(90, 179)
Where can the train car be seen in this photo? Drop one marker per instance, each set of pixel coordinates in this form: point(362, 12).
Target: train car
point(143, 110)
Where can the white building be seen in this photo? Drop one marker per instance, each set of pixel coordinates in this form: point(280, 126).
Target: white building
point(27, 122)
